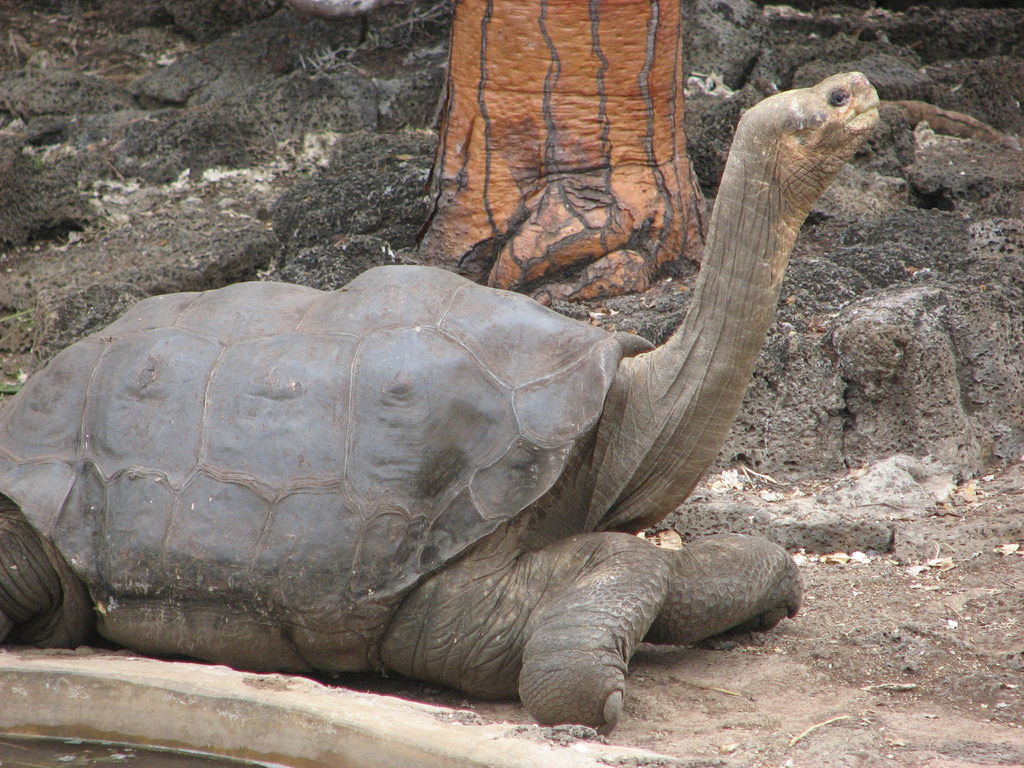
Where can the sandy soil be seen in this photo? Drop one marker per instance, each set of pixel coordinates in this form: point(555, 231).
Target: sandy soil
point(144, 150)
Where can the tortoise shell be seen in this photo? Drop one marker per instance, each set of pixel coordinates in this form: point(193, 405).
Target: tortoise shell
point(297, 453)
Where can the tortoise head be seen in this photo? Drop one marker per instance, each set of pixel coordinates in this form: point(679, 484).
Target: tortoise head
point(806, 135)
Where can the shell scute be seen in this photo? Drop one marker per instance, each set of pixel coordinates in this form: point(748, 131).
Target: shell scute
point(446, 537)
point(384, 297)
point(504, 333)
point(139, 508)
point(145, 402)
point(212, 538)
point(154, 312)
point(78, 530)
point(40, 487)
point(387, 560)
point(48, 418)
point(518, 478)
point(278, 410)
point(556, 409)
point(428, 416)
point(299, 559)
point(247, 310)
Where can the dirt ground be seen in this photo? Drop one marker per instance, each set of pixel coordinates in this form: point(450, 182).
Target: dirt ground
point(164, 145)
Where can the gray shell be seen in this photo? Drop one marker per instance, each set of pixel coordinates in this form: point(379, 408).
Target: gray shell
point(297, 453)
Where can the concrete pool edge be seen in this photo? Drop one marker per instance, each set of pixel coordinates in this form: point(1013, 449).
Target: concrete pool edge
point(281, 719)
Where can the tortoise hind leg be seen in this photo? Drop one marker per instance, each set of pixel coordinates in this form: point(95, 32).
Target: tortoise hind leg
point(42, 602)
point(724, 583)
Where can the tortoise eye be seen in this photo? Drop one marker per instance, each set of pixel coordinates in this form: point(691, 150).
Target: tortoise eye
point(838, 98)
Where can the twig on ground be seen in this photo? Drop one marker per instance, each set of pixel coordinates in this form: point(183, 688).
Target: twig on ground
point(816, 726)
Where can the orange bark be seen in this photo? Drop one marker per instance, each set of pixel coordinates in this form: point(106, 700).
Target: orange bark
point(562, 166)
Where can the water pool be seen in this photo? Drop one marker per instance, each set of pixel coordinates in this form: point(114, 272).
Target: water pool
point(38, 752)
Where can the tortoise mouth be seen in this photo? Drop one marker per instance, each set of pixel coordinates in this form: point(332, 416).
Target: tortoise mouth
point(864, 119)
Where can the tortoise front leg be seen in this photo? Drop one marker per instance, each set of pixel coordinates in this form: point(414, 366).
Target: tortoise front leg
point(726, 582)
point(557, 626)
point(581, 640)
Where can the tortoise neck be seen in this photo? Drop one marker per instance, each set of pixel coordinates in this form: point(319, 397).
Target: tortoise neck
point(752, 234)
point(692, 386)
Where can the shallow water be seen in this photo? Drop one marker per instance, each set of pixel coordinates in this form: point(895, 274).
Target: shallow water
point(30, 752)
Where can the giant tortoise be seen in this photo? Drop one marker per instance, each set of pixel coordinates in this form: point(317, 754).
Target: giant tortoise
point(415, 472)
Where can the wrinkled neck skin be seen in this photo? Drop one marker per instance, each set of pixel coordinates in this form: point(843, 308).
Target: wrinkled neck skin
point(669, 410)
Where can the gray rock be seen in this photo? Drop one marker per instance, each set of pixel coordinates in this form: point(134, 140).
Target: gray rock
point(860, 512)
point(298, 103)
point(928, 366)
point(103, 278)
point(171, 141)
point(899, 359)
point(253, 54)
point(375, 185)
point(410, 99)
point(728, 37)
point(36, 201)
point(792, 419)
point(233, 132)
point(197, 20)
point(962, 33)
point(989, 189)
point(827, 532)
point(894, 77)
point(979, 88)
point(920, 363)
point(858, 193)
point(793, 524)
point(896, 487)
point(332, 265)
point(29, 93)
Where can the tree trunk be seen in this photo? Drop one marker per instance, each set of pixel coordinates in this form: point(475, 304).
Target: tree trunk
point(561, 168)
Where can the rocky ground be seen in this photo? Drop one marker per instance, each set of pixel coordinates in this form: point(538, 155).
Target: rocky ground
point(164, 145)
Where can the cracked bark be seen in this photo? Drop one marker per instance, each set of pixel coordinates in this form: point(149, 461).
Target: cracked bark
point(561, 168)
